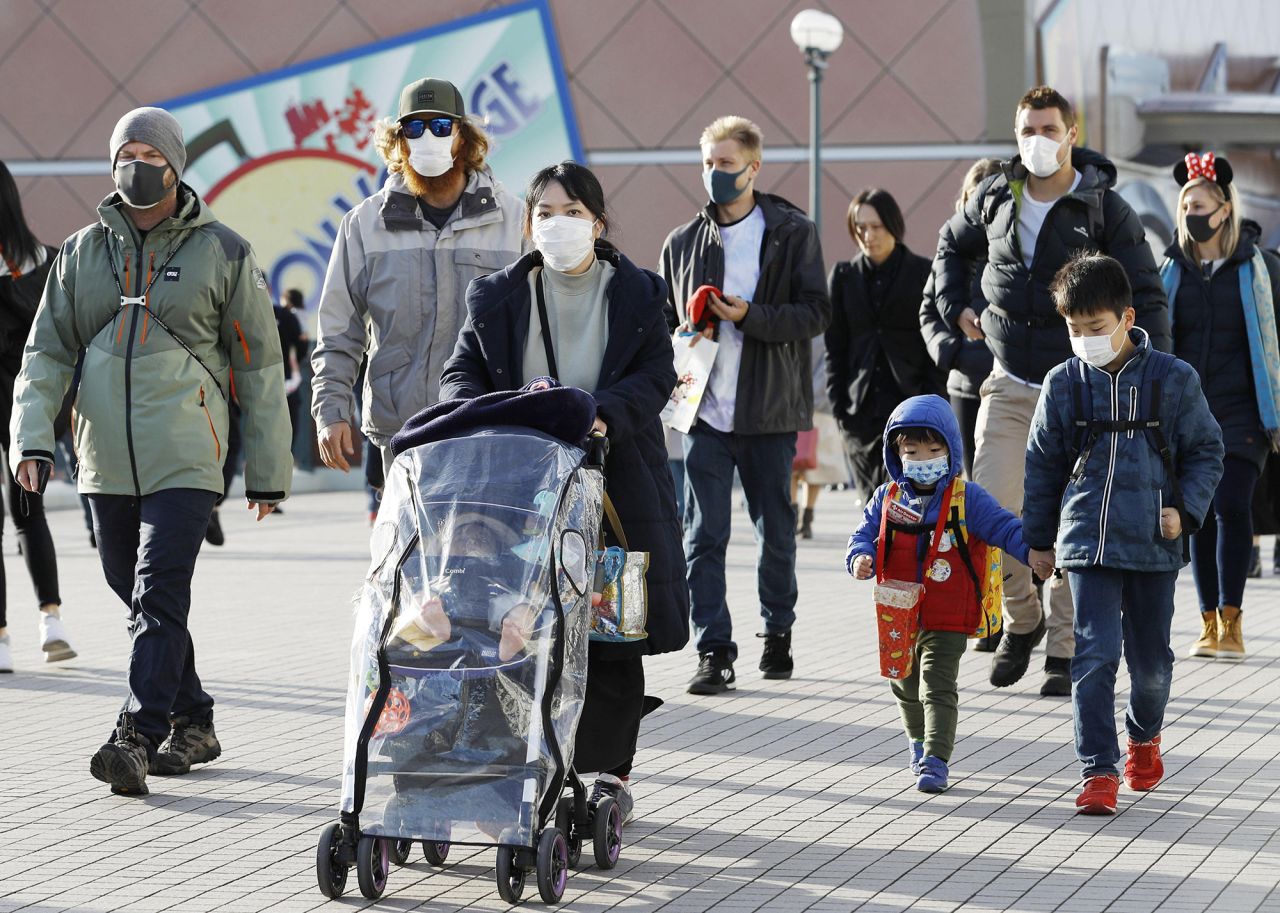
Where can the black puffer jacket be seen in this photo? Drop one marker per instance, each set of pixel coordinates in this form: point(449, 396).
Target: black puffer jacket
point(1209, 334)
point(861, 333)
point(966, 361)
point(1023, 331)
point(789, 308)
point(636, 378)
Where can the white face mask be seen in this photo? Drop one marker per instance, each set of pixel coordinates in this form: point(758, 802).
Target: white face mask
point(563, 241)
point(1040, 155)
point(1097, 350)
point(431, 156)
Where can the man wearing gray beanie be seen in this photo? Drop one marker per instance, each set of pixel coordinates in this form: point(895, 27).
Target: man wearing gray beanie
point(167, 302)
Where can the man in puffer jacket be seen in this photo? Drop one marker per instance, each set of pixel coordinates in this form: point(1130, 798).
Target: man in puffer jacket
point(1050, 201)
point(398, 275)
point(166, 301)
point(1116, 497)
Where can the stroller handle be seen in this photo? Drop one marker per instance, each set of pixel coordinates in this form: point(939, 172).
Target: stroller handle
point(597, 450)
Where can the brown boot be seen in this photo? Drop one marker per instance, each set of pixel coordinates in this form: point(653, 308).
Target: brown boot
point(1230, 635)
point(1207, 645)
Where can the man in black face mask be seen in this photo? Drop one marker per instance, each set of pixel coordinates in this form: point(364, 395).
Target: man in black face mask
point(165, 302)
point(762, 255)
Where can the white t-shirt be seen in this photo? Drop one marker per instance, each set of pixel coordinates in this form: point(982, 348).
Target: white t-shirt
point(741, 242)
point(1031, 217)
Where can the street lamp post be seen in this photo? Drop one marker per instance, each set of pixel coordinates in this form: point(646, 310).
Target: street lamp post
point(817, 35)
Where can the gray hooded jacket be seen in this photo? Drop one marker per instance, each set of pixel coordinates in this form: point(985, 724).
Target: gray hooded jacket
point(396, 289)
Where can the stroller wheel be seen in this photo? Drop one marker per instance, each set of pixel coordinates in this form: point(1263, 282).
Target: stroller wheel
point(331, 874)
point(569, 827)
point(553, 865)
point(372, 865)
point(607, 831)
point(400, 850)
point(510, 875)
point(435, 851)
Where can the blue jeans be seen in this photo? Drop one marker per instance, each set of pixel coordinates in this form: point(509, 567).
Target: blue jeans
point(763, 462)
point(1116, 608)
point(148, 548)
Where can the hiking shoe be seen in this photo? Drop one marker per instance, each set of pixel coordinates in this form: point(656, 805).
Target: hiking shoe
point(1014, 655)
point(213, 532)
point(1255, 562)
point(53, 639)
point(1057, 677)
point(1143, 769)
point(188, 743)
point(122, 762)
point(933, 775)
point(776, 662)
point(1230, 635)
point(714, 675)
point(6, 657)
point(917, 754)
point(989, 643)
point(1207, 644)
point(620, 789)
point(1098, 797)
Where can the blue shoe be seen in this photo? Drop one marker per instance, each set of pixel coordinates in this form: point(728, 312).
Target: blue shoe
point(917, 752)
point(933, 775)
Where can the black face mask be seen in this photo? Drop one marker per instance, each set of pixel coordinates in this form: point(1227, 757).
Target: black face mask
point(141, 184)
point(1200, 229)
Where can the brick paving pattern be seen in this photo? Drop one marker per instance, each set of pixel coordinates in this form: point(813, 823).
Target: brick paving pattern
point(787, 796)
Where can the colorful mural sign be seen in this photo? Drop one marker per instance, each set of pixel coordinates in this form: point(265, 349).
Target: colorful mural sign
point(281, 157)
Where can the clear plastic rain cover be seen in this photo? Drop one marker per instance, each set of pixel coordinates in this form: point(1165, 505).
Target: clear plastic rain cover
point(456, 629)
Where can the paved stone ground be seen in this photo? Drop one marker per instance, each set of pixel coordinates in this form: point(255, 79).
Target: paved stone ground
point(784, 796)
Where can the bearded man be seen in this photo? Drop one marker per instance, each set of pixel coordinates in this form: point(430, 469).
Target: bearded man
point(397, 280)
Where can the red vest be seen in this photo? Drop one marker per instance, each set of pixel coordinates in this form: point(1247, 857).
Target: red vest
point(909, 552)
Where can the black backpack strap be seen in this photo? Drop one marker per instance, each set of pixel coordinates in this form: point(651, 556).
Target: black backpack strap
point(1084, 430)
point(1157, 369)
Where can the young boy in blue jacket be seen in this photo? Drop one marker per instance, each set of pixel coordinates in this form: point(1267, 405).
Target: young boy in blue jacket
point(923, 453)
point(1122, 462)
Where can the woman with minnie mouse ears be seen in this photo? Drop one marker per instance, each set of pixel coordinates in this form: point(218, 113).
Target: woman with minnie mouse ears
point(1222, 290)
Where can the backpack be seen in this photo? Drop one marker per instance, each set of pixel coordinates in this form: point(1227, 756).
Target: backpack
point(1087, 429)
point(988, 579)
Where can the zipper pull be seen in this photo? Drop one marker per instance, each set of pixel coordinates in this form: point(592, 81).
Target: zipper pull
point(202, 396)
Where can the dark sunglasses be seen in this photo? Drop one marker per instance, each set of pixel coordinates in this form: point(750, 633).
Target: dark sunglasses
point(439, 127)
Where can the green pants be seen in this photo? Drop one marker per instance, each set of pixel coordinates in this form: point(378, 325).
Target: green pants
point(931, 717)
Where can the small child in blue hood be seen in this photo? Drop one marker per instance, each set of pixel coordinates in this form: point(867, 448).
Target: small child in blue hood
point(1116, 508)
point(924, 454)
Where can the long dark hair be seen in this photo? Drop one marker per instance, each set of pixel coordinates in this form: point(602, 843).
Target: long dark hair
point(19, 244)
point(578, 182)
point(886, 207)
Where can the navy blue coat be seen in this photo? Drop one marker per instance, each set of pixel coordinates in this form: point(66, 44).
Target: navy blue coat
point(637, 376)
point(1110, 517)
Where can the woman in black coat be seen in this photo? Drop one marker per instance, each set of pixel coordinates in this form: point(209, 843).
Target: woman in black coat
point(876, 356)
point(608, 335)
point(1213, 258)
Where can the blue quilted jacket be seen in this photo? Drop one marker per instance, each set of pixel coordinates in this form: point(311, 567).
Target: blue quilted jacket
point(1110, 515)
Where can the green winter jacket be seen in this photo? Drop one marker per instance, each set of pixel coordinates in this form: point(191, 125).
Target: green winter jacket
point(151, 411)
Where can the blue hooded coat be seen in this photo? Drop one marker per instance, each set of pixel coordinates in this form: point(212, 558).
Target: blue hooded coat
point(986, 520)
point(1110, 515)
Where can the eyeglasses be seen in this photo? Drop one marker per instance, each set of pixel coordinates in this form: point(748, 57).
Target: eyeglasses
point(439, 126)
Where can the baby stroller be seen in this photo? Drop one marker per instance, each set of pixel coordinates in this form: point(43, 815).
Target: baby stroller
point(468, 666)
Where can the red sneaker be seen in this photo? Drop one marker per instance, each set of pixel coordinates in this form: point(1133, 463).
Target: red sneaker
point(1143, 769)
point(1099, 795)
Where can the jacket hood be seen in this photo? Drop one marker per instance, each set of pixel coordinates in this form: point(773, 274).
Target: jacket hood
point(478, 203)
point(776, 209)
point(1096, 170)
point(931, 412)
point(515, 275)
point(1250, 234)
point(192, 212)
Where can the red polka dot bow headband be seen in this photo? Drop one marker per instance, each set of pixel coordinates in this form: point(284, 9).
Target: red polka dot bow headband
point(1208, 166)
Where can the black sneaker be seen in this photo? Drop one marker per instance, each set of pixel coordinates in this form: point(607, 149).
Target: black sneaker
point(122, 762)
point(1013, 656)
point(213, 532)
point(1057, 677)
point(776, 662)
point(188, 743)
point(620, 790)
point(714, 676)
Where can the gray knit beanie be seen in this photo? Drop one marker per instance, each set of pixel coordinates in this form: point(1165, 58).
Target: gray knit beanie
point(155, 127)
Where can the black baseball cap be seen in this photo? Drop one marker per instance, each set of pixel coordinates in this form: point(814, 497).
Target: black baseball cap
point(431, 97)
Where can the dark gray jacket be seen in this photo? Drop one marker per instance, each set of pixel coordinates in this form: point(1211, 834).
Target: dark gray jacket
point(789, 308)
